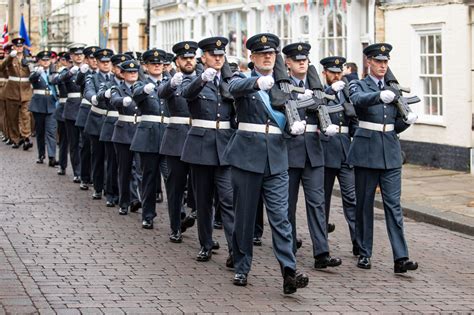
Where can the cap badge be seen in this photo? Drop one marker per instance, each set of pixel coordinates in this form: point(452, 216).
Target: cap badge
point(156, 54)
point(300, 48)
point(132, 65)
point(218, 43)
point(264, 39)
point(336, 61)
point(104, 53)
point(123, 58)
point(186, 46)
point(382, 48)
point(93, 49)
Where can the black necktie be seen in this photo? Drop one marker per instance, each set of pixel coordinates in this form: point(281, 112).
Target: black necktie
point(107, 77)
point(301, 84)
point(216, 81)
point(380, 85)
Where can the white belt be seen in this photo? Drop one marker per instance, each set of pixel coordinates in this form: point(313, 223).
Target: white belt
point(18, 79)
point(180, 120)
point(259, 128)
point(342, 129)
point(63, 100)
point(98, 110)
point(112, 113)
point(376, 127)
point(311, 128)
point(132, 119)
point(42, 92)
point(3, 79)
point(155, 118)
point(86, 102)
point(73, 95)
point(211, 124)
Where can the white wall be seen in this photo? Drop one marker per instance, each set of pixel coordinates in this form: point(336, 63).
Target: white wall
point(400, 24)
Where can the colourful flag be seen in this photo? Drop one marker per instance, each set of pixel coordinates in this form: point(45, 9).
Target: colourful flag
point(23, 31)
point(5, 33)
point(104, 23)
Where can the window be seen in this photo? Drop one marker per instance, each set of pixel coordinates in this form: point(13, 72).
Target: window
point(431, 65)
point(172, 32)
point(233, 25)
point(333, 34)
point(142, 36)
point(114, 37)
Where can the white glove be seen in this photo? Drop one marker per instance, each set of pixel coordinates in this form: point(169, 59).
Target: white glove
point(13, 53)
point(177, 79)
point(298, 127)
point(331, 130)
point(148, 88)
point(94, 100)
point(307, 94)
point(387, 96)
point(127, 100)
point(208, 74)
point(108, 93)
point(84, 68)
point(265, 83)
point(74, 69)
point(337, 86)
point(411, 118)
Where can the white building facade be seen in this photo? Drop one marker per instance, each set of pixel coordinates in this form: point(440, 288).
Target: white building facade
point(337, 27)
point(433, 54)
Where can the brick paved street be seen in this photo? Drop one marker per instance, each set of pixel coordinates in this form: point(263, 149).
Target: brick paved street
point(61, 252)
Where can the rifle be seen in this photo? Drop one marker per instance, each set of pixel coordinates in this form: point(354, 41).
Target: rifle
point(349, 109)
point(400, 101)
point(319, 97)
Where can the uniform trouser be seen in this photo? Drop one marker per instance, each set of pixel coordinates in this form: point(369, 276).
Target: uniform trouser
point(97, 162)
point(159, 189)
point(13, 118)
point(25, 120)
point(63, 143)
point(207, 179)
point(345, 177)
point(248, 188)
point(151, 165)
point(111, 184)
point(127, 183)
point(85, 153)
point(45, 128)
point(73, 137)
point(258, 231)
point(190, 200)
point(3, 114)
point(312, 179)
point(6, 130)
point(366, 181)
point(175, 185)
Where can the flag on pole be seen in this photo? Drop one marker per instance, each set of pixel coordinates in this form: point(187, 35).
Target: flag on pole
point(104, 23)
point(5, 33)
point(23, 32)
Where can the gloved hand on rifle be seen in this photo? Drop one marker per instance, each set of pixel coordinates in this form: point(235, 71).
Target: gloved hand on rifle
point(265, 82)
point(411, 118)
point(298, 127)
point(307, 95)
point(331, 130)
point(337, 86)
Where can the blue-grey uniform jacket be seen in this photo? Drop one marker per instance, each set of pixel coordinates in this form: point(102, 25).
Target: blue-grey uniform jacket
point(149, 134)
point(206, 101)
point(336, 148)
point(46, 101)
point(62, 93)
point(71, 107)
point(374, 149)
point(95, 120)
point(250, 151)
point(308, 145)
point(85, 106)
point(175, 134)
point(124, 131)
point(109, 123)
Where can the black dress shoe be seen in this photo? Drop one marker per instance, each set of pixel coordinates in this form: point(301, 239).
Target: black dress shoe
point(147, 224)
point(176, 237)
point(215, 245)
point(204, 255)
point(364, 262)
point(257, 241)
point(134, 206)
point(299, 243)
point(8, 142)
point(15, 146)
point(331, 227)
point(229, 263)
point(27, 145)
point(52, 162)
point(326, 261)
point(97, 195)
point(240, 279)
point(217, 225)
point(292, 282)
point(83, 186)
point(123, 211)
point(159, 197)
point(403, 265)
point(61, 171)
point(76, 179)
point(187, 223)
point(355, 250)
point(110, 204)
point(40, 160)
